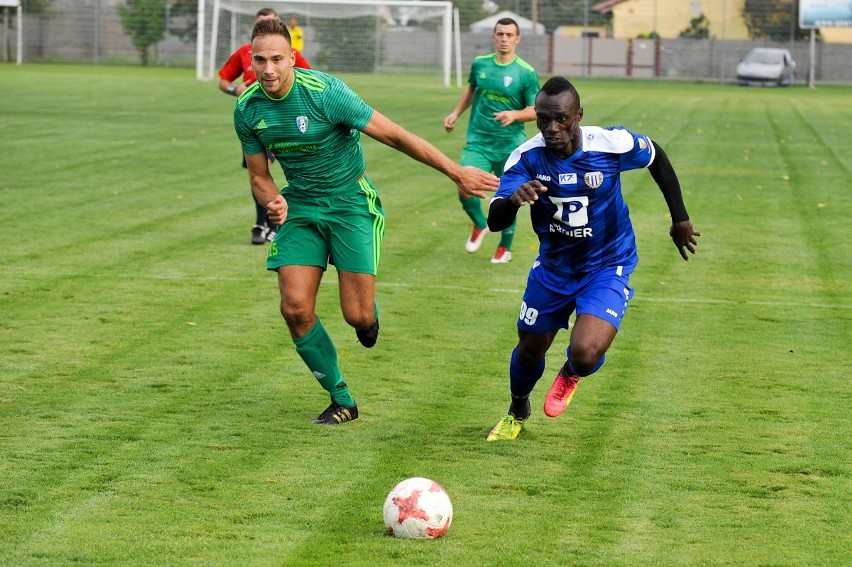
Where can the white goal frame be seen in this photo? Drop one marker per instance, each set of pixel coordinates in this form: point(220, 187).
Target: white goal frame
point(18, 25)
point(448, 27)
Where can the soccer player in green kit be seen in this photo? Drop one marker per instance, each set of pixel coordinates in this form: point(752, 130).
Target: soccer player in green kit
point(501, 88)
point(330, 211)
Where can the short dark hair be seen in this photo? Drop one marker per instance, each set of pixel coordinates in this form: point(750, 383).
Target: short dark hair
point(263, 12)
point(508, 22)
point(270, 26)
point(558, 85)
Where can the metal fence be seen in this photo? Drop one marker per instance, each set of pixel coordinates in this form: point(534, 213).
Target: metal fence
point(93, 34)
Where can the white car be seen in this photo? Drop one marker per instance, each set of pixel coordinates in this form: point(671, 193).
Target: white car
point(767, 66)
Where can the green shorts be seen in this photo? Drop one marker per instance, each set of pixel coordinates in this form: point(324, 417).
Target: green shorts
point(345, 229)
point(485, 159)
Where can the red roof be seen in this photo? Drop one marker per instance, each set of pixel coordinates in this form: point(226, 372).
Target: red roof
point(606, 5)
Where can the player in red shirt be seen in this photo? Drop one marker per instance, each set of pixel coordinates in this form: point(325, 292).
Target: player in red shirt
point(239, 64)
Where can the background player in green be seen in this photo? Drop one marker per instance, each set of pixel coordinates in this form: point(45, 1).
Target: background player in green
point(502, 89)
point(330, 211)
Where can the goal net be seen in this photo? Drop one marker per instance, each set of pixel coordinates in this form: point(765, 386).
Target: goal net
point(412, 37)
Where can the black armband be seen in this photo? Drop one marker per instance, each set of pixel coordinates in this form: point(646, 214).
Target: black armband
point(666, 178)
point(232, 90)
point(501, 214)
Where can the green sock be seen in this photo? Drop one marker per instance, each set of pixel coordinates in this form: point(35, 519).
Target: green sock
point(318, 352)
point(474, 210)
point(508, 236)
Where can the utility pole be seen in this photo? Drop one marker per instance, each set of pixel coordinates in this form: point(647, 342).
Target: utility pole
point(535, 16)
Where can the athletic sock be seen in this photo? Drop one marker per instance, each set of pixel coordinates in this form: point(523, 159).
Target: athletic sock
point(522, 377)
point(320, 355)
point(473, 208)
point(570, 367)
point(507, 236)
point(520, 407)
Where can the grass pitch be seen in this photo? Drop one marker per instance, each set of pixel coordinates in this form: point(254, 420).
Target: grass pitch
point(153, 410)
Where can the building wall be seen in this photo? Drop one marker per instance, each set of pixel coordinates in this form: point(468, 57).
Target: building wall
point(837, 35)
point(578, 31)
point(632, 18)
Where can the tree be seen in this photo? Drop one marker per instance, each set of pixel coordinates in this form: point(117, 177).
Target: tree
point(183, 16)
point(555, 13)
point(145, 22)
point(773, 19)
point(471, 11)
point(699, 28)
point(551, 13)
point(36, 6)
point(343, 45)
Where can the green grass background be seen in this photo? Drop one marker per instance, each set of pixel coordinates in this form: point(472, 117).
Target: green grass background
point(153, 410)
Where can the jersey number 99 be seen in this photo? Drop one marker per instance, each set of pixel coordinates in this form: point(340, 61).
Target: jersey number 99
point(528, 314)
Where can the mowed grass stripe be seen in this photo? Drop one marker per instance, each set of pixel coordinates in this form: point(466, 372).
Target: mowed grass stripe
point(153, 410)
point(812, 163)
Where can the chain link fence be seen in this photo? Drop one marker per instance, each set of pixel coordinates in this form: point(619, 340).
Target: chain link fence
point(91, 31)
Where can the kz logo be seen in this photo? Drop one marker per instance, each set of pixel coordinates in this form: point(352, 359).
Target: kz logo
point(302, 123)
point(567, 178)
point(507, 81)
point(593, 179)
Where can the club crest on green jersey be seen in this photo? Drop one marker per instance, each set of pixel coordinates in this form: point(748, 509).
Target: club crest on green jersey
point(302, 123)
point(507, 81)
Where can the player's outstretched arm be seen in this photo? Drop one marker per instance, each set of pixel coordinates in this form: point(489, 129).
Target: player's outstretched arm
point(470, 180)
point(682, 233)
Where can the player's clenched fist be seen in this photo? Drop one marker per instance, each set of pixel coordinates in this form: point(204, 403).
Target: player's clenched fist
point(277, 208)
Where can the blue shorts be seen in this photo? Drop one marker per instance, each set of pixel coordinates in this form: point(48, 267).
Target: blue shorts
point(549, 299)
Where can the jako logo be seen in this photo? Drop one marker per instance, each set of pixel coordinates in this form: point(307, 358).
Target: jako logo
point(542, 177)
point(613, 313)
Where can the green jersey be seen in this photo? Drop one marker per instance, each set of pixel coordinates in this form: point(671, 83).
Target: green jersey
point(313, 130)
point(498, 87)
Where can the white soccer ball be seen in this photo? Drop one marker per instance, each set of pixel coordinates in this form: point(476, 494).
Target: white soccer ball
point(418, 508)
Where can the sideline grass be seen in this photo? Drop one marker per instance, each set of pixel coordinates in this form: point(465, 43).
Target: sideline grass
point(153, 410)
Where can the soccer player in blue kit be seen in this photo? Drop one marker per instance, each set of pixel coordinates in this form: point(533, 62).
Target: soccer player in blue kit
point(570, 175)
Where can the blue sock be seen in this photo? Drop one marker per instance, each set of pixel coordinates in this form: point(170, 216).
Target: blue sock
point(522, 377)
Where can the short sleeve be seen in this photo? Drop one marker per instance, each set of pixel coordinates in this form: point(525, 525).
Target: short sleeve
point(344, 106)
point(250, 143)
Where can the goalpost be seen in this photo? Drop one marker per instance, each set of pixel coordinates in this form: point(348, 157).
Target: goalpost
point(404, 37)
point(19, 45)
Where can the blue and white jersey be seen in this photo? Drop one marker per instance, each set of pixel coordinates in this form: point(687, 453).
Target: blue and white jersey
point(582, 220)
